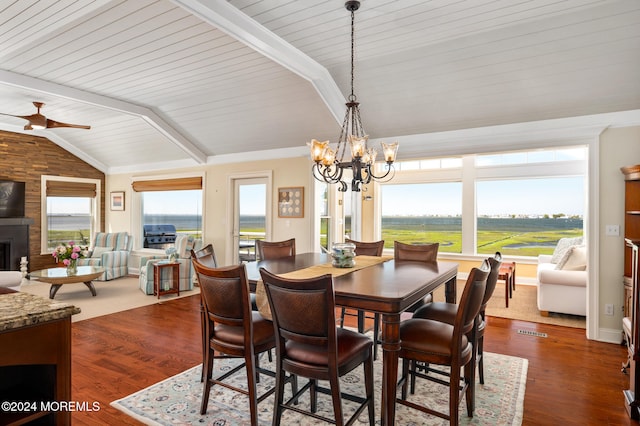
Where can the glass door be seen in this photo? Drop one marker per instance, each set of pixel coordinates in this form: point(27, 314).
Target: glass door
point(250, 217)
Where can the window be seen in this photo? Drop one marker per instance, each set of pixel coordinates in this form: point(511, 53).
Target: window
point(72, 211)
point(176, 201)
point(182, 209)
point(538, 213)
point(423, 213)
point(519, 203)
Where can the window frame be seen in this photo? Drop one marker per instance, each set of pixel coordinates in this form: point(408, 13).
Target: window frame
point(96, 211)
point(469, 173)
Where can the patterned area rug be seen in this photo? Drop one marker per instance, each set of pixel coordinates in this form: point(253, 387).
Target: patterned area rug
point(176, 400)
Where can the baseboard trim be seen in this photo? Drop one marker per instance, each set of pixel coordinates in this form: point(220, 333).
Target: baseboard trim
point(610, 335)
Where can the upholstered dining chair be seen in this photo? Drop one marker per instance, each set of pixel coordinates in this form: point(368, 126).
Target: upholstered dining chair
point(416, 253)
point(437, 343)
point(309, 344)
point(446, 312)
point(373, 248)
point(233, 330)
point(206, 256)
point(268, 250)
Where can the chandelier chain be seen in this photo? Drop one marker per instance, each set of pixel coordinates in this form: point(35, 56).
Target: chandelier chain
point(352, 97)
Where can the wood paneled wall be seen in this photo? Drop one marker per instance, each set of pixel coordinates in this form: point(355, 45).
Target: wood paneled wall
point(25, 158)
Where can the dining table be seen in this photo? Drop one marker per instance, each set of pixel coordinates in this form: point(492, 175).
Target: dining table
point(389, 288)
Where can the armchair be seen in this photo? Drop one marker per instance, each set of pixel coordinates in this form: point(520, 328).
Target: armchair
point(111, 251)
point(184, 244)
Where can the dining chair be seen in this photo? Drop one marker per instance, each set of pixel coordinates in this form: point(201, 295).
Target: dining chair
point(419, 252)
point(206, 256)
point(268, 250)
point(446, 312)
point(233, 330)
point(437, 343)
point(373, 248)
point(308, 344)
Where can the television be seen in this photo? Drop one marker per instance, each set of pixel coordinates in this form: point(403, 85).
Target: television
point(12, 198)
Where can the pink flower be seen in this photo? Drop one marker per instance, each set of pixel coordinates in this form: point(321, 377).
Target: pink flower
point(75, 255)
point(66, 262)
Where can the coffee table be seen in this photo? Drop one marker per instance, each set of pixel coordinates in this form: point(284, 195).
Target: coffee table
point(59, 276)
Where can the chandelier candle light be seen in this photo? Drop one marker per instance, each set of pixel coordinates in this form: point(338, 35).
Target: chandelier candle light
point(329, 164)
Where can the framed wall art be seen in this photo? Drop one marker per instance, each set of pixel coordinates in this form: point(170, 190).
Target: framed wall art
point(117, 201)
point(291, 202)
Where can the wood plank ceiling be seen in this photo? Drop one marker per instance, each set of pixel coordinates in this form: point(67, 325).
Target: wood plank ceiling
point(172, 83)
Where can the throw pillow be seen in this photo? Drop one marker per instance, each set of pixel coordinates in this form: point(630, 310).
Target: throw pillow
point(574, 259)
point(563, 246)
point(97, 251)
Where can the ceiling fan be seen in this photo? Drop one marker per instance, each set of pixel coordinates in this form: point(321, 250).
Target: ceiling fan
point(39, 121)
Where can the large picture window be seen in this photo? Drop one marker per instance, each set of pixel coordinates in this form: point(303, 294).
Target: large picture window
point(538, 214)
point(423, 213)
point(519, 203)
point(176, 202)
point(72, 211)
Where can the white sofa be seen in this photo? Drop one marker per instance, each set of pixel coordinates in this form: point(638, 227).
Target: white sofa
point(562, 284)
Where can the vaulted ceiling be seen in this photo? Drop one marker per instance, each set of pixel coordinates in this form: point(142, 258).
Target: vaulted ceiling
point(176, 83)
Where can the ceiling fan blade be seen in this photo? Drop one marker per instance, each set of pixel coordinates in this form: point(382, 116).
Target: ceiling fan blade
point(53, 124)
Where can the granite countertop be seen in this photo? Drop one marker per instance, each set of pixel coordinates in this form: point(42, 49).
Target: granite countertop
point(22, 309)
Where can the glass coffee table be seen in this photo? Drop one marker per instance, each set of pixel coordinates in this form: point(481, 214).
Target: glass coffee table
point(59, 276)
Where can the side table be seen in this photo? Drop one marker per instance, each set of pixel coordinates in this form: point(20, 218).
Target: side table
point(508, 274)
point(157, 278)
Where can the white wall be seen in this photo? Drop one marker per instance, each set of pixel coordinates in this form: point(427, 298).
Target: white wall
point(286, 172)
point(618, 147)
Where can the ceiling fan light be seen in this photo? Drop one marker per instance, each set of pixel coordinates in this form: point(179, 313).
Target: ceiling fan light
point(38, 126)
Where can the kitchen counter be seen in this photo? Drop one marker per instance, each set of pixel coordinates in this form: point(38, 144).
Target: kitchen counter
point(20, 309)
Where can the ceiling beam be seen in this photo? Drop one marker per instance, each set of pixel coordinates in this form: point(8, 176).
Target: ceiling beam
point(230, 20)
point(153, 118)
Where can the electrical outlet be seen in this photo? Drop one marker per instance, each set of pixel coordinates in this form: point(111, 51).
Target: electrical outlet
point(612, 230)
point(608, 309)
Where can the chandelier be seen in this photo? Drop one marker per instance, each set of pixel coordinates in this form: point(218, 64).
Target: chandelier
point(329, 164)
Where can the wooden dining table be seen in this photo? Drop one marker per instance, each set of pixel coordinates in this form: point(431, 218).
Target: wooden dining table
point(387, 288)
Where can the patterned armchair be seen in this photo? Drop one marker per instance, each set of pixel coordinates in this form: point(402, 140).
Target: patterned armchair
point(111, 251)
point(184, 244)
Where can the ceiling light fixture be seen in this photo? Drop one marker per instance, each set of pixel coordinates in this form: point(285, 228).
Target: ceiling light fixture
point(329, 165)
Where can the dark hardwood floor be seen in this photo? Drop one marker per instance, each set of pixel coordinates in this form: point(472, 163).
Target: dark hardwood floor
point(571, 380)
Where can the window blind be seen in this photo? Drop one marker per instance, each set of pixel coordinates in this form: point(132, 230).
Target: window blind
point(59, 188)
point(177, 184)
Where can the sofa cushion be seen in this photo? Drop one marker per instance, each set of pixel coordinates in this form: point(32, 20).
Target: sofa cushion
point(562, 246)
point(97, 251)
point(574, 259)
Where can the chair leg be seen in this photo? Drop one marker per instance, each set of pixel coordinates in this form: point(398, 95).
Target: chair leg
point(481, 359)
point(252, 380)
point(334, 383)
point(279, 396)
point(405, 377)
point(454, 394)
point(313, 395)
point(342, 312)
point(469, 380)
point(208, 364)
point(376, 334)
point(368, 384)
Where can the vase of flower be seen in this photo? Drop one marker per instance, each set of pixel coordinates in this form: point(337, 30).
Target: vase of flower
point(72, 267)
point(68, 254)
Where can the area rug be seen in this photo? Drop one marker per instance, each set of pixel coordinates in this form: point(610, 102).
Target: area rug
point(112, 296)
point(522, 306)
point(176, 400)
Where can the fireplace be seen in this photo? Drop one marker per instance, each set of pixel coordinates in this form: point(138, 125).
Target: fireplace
point(14, 242)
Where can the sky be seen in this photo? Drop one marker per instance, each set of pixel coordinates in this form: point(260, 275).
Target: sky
point(497, 197)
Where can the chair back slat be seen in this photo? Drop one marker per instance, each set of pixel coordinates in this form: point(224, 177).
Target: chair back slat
point(495, 263)
point(302, 310)
point(367, 248)
point(206, 256)
point(223, 291)
point(268, 250)
point(416, 252)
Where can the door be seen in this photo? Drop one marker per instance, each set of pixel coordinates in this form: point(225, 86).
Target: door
point(251, 216)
